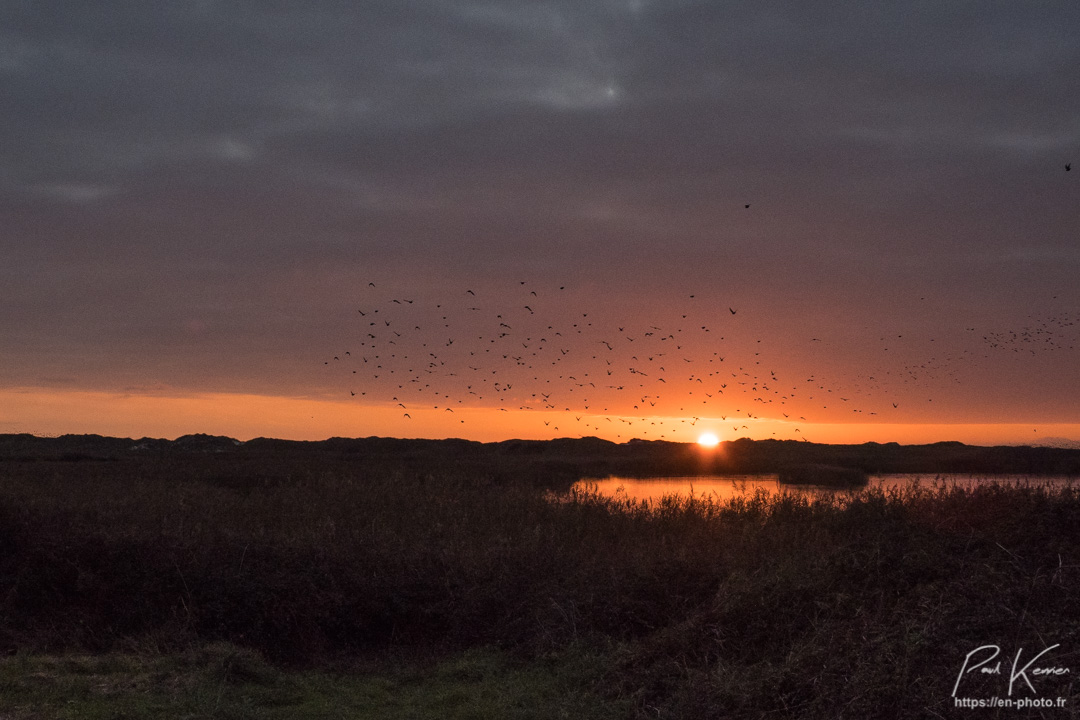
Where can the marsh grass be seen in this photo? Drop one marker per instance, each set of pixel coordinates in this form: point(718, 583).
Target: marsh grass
point(220, 680)
point(861, 605)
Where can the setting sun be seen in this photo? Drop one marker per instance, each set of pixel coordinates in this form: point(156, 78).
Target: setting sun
point(708, 440)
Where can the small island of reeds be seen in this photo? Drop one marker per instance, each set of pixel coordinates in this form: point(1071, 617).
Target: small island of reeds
point(831, 476)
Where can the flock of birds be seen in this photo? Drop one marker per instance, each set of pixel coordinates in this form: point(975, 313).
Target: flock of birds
point(527, 348)
point(526, 354)
point(650, 375)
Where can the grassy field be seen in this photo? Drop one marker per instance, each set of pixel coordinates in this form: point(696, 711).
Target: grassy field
point(229, 587)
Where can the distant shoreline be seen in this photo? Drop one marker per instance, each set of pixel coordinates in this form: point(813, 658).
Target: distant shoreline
point(560, 460)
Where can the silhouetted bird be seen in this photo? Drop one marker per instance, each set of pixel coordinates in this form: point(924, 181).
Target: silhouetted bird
point(1068, 167)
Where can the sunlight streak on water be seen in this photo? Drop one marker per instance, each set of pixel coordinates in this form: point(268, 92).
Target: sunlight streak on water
point(725, 487)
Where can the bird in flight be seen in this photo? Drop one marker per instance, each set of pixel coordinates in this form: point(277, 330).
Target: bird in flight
point(1068, 167)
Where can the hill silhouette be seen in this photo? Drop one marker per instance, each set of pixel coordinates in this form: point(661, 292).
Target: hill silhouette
point(556, 462)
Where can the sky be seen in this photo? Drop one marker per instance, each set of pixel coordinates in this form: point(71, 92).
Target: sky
point(837, 221)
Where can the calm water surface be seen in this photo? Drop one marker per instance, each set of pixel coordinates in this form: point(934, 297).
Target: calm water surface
point(724, 487)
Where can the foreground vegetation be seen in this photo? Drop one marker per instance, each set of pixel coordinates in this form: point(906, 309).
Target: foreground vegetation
point(278, 587)
point(220, 680)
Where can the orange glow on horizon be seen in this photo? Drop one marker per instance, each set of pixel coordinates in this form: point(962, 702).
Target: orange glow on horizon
point(43, 411)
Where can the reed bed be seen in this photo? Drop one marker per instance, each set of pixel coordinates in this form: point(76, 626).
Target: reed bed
point(762, 606)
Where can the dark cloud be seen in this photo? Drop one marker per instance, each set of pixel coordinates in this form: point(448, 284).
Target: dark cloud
point(160, 157)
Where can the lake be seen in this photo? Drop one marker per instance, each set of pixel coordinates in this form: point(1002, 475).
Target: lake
point(725, 487)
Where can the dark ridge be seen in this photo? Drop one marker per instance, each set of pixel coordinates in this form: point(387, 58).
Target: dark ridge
point(555, 461)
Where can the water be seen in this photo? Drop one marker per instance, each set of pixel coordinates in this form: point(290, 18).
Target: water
point(725, 487)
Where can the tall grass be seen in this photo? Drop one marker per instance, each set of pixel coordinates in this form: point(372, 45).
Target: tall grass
point(760, 606)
